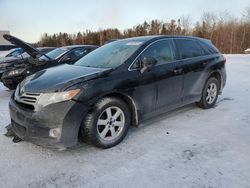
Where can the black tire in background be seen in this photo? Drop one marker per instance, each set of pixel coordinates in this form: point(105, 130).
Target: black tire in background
point(209, 94)
point(100, 124)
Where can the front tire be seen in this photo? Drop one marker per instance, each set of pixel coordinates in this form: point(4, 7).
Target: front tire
point(107, 124)
point(209, 94)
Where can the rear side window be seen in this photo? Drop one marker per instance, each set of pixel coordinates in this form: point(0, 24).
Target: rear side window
point(208, 47)
point(188, 48)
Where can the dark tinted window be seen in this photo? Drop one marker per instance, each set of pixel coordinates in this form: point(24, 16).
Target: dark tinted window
point(188, 48)
point(76, 54)
point(208, 47)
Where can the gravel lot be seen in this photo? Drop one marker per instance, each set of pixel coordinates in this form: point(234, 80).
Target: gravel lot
point(188, 147)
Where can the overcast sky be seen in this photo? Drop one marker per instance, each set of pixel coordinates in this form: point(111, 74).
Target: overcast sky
point(28, 19)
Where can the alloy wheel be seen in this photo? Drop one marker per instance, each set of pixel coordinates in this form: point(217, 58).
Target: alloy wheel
point(211, 93)
point(110, 123)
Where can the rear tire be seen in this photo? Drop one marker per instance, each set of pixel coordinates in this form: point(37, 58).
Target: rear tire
point(107, 124)
point(209, 94)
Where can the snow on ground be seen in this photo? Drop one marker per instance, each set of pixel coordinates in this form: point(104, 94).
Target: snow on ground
point(188, 147)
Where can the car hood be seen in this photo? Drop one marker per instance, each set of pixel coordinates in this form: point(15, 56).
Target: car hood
point(33, 52)
point(59, 78)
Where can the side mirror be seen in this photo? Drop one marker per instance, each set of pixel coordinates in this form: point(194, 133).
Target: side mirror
point(147, 63)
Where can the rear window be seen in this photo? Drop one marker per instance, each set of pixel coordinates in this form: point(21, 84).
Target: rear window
point(208, 47)
point(188, 48)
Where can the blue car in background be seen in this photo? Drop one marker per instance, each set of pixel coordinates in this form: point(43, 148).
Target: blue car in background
point(11, 53)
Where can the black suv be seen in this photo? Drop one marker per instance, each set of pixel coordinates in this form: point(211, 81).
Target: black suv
point(39, 61)
point(118, 85)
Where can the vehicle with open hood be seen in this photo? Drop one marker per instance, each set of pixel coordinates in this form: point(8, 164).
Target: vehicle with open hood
point(38, 60)
point(119, 84)
point(11, 61)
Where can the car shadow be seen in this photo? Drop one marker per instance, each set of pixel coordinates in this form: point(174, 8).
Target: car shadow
point(133, 131)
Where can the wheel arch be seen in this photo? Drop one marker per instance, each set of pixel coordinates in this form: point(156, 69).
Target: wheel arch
point(125, 98)
point(218, 76)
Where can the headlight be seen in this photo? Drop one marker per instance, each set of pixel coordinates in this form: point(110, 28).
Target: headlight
point(15, 72)
point(50, 98)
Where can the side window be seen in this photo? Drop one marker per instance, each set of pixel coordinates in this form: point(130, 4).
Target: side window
point(162, 51)
point(208, 47)
point(188, 48)
point(76, 54)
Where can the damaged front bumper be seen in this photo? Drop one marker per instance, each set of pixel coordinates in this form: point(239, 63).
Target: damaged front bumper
point(56, 126)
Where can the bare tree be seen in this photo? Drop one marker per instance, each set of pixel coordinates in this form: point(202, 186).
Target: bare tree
point(246, 14)
point(229, 34)
point(186, 23)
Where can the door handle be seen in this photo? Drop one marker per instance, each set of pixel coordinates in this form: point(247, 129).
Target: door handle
point(178, 70)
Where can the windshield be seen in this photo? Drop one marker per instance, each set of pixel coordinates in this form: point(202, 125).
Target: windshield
point(111, 55)
point(54, 54)
point(24, 55)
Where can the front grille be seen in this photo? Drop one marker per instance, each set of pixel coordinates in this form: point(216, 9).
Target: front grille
point(26, 99)
point(29, 98)
point(26, 106)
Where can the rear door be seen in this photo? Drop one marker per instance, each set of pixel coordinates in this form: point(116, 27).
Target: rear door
point(194, 63)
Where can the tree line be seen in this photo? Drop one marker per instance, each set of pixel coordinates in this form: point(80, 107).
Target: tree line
point(229, 34)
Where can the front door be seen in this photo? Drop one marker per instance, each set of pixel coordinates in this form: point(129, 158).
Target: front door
point(166, 76)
